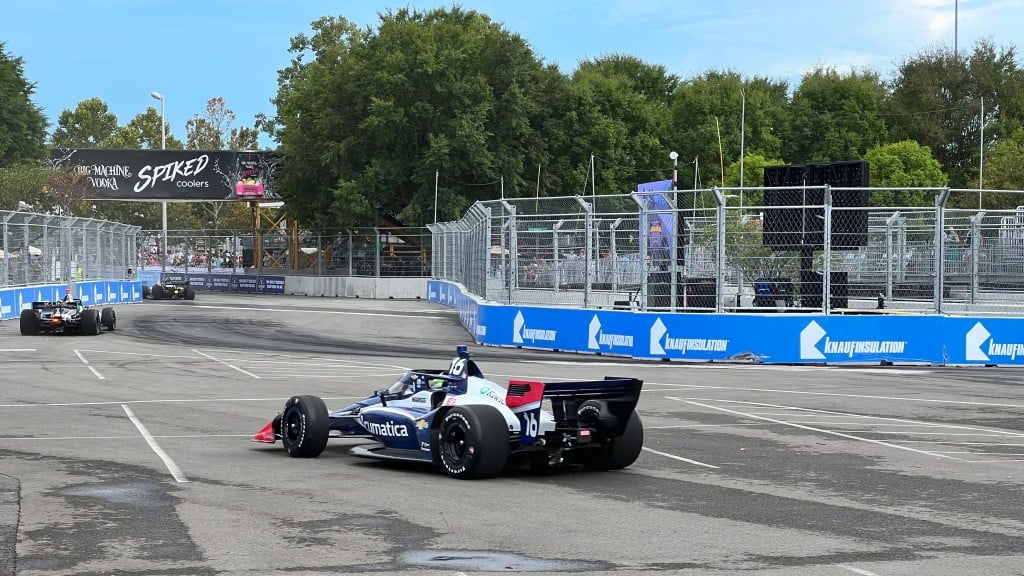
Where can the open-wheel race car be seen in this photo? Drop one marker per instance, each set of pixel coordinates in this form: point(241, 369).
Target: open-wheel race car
point(169, 290)
point(473, 427)
point(67, 316)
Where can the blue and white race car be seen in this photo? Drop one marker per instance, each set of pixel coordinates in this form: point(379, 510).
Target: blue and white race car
point(472, 426)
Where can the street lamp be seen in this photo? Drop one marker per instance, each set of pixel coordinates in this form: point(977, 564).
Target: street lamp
point(163, 146)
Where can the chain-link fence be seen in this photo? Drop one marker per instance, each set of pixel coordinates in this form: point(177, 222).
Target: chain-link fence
point(379, 252)
point(44, 249)
point(667, 251)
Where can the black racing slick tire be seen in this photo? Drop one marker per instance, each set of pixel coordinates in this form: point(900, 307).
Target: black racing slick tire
point(471, 442)
point(156, 292)
point(108, 319)
point(620, 451)
point(29, 323)
point(305, 426)
point(190, 293)
point(89, 322)
point(147, 292)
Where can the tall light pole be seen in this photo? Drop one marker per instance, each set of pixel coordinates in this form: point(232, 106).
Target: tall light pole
point(163, 146)
point(743, 134)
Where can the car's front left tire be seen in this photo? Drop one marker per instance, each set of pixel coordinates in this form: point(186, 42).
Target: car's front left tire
point(108, 319)
point(89, 322)
point(305, 426)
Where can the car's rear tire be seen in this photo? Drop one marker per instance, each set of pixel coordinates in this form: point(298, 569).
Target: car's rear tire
point(29, 323)
point(620, 451)
point(147, 292)
point(108, 318)
point(471, 442)
point(305, 426)
point(190, 293)
point(156, 292)
point(89, 322)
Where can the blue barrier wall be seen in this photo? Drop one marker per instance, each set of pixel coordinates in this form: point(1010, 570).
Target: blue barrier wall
point(92, 293)
point(770, 338)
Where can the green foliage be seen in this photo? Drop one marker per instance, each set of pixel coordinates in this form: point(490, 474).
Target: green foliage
point(22, 123)
point(904, 164)
point(1004, 170)
point(86, 127)
point(366, 117)
point(937, 100)
point(753, 176)
point(707, 121)
point(834, 117)
point(24, 183)
point(608, 113)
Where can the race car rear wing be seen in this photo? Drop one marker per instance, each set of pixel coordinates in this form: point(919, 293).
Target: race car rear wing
point(606, 404)
point(56, 304)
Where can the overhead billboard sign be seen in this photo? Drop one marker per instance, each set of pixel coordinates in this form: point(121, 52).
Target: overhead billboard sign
point(171, 175)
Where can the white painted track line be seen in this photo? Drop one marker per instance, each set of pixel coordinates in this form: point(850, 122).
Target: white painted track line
point(229, 365)
point(856, 570)
point(829, 432)
point(685, 387)
point(863, 419)
point(171, 466)
point(168, 401)
point(680, 458)
point(87, 365)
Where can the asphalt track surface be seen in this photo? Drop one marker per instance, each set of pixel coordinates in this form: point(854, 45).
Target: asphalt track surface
point(129, 453)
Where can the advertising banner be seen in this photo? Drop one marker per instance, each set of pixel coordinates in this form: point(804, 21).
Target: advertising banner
point(176, 175)
point(660, 220)
point(984, 341)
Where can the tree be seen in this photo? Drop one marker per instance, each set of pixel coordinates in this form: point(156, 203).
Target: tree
point(1004, 170)
point(904, 164)
point(214, 131)
point(22, 123)
point(617, 109)
point(88, 126)
point(23, 183)
point(753, 176)
point(372, 115)
point(834, 117)
point(937, 100)
point(708, 109)
point(143, 132)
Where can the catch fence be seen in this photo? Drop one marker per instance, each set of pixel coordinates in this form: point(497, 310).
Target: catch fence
point(47, 249)
point(373, 252)
point(702, 251)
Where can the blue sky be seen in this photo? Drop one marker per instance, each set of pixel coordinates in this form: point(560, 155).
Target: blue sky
point(194, 50)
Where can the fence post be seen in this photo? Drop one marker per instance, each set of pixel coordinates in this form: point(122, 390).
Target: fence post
point(487, 242)
point(826, 264)
point(513, 249)
point(975, 252)
point(940, 249)
point(890, 246)
point(7, 251)
point(720, 250)
point(588, 248)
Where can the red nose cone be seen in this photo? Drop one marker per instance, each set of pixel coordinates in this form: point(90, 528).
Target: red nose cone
point(266, 434)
